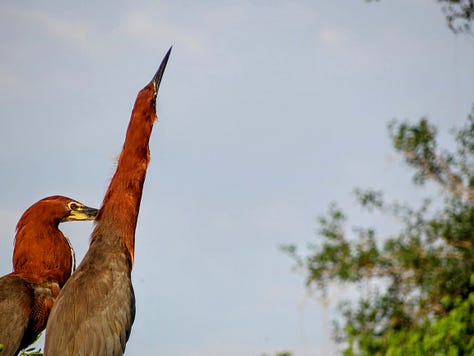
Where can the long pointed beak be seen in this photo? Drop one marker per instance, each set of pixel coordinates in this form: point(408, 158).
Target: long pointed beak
point(159, 73)
point(82, 213)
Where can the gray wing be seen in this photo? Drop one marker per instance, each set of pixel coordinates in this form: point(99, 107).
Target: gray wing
point(16, 304)
point(95, 309)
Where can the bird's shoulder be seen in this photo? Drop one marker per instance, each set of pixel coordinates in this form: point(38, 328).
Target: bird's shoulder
point(16, 305)
point(96, 305)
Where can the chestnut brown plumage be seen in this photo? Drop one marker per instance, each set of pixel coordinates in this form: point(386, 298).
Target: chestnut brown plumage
point(43, 260)
point(95, 310)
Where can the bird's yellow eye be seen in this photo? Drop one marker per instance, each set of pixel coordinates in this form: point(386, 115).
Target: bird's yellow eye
point(73, 206)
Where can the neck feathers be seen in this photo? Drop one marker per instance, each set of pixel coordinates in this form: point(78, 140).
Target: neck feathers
point(42, 253)
point(119, 212)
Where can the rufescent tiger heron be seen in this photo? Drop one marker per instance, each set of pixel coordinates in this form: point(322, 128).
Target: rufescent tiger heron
point(95, 310)
point(43, 260)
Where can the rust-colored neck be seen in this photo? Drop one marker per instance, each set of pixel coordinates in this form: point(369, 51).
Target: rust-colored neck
point(42, 253)
point(117, 218)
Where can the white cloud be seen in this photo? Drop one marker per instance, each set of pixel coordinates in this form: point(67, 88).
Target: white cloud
point(141, 26)
point(346, 46)
point(69, 32)
point(7, 78)
point(332, 38)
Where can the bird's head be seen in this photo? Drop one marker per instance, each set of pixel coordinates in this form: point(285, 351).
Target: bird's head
point(41, 250)
point(77, 211)
point(57, 209)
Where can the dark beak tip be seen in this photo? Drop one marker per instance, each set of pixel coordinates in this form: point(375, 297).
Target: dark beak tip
point(92, 212)
point(159, 73)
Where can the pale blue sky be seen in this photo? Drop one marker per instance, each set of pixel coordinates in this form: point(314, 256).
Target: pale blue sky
point(268, 111)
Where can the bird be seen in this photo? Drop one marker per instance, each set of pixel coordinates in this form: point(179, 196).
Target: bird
point(94, 312)
point(43, 260)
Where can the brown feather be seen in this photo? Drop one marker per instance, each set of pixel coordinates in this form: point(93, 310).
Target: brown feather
point(42, 263)
point(121, 203)
point(95, 310)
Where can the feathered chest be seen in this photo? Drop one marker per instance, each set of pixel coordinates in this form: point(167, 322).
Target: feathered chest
point(43, 255)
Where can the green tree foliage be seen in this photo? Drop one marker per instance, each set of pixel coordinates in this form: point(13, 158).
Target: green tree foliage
point(421, 295)
point(459, 14)
point(31, 352)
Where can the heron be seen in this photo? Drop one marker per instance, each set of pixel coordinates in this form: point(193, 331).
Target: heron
point(43, 260)
point(94, 312)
